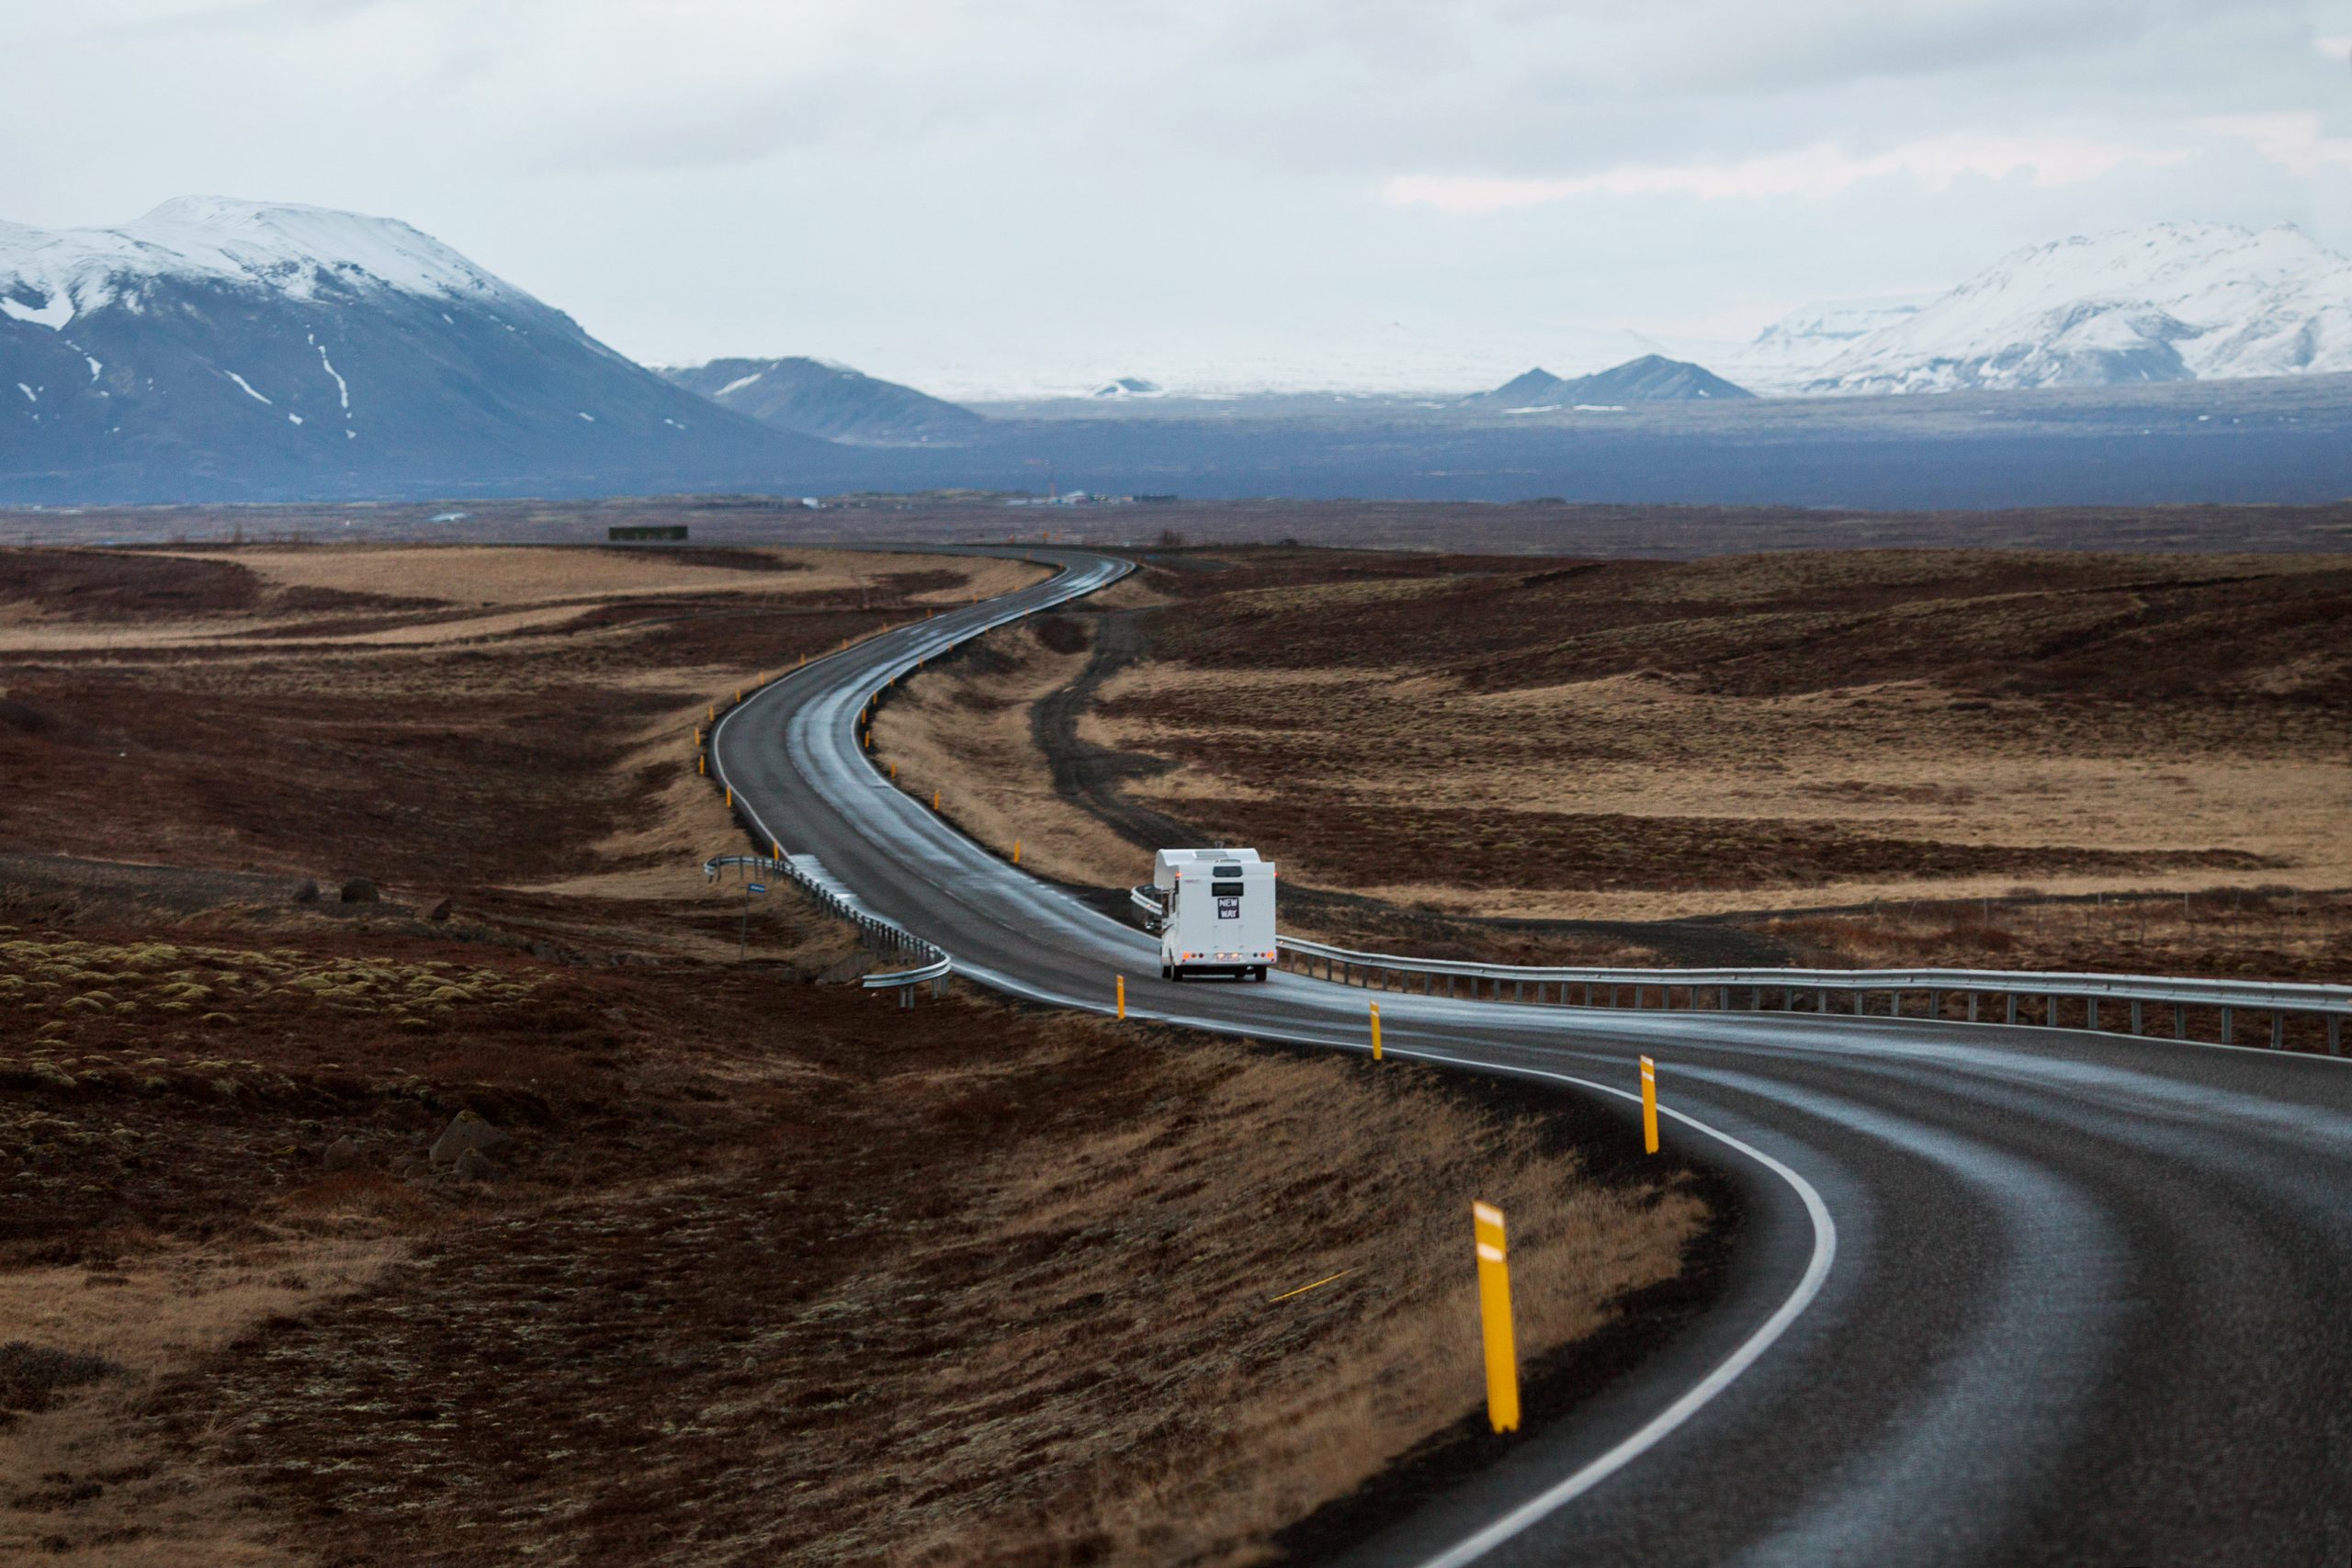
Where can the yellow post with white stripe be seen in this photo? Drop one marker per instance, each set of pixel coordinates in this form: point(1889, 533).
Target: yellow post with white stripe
point(1494, 1313)
point(1123, 995)
point(1375, 1032)
point(1649, 1106)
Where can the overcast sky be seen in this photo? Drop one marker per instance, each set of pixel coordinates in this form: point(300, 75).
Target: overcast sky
point(1010, 193)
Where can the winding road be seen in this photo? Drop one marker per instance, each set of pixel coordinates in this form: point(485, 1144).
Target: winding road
point(2002, 1295)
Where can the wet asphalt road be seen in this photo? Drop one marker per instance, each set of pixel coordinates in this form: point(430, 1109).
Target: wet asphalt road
point(2003, 1295)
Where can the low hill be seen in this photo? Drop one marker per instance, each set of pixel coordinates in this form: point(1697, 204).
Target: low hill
point(816, 397)
point(1652, 379)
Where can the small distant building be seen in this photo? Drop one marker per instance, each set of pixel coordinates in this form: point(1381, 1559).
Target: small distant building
point(647, 533)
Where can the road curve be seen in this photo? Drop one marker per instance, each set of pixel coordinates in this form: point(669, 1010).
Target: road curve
point(2004, 1295)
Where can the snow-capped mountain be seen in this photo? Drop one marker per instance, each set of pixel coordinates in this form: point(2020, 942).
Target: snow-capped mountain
point(225, 350)
point(817, 397)
point(2171, 302)
point(1792, 350)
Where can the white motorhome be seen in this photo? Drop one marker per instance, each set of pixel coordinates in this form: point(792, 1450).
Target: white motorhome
point(1216, 912)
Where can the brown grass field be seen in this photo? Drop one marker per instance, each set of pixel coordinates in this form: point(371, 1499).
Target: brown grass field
point(770, 1269)
point(1614, 744)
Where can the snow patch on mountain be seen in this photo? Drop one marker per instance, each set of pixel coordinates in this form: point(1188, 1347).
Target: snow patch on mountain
point(49, 276)
point(1792, 350)
point(2173, 301)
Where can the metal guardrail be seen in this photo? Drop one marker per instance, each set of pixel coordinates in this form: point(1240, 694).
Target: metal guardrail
point(875, 930)
point(1380, 971)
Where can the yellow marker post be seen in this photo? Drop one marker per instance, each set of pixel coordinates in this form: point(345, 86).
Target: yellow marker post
point(776, 846)
point(894, 770)
point(1649, 1106)
point(869, 741)
point(1016, 851)
point(1494, 1314)
point(804, 658)
point(738, 694)
point(714, 713)
point(1375, 1032)
point(702, 763)
point(1123, 995)
point(934, 800)
point(697, 736)
point(731, 798)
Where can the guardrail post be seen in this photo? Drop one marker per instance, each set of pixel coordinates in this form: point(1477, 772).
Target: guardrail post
point(1935, 1005)
point(2090, 1005)
point(1821, 999)
point(2179, 1022)
point(2277, 1030)
point(2013, 1007)
point(2335, 1035)
point(2138, 1017)
point(2228, 1026)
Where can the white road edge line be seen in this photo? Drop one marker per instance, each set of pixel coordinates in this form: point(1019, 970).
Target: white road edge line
point(1653, 1431)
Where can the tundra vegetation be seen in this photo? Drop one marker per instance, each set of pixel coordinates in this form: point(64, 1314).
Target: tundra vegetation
point(1981, 758)
point(310, 855)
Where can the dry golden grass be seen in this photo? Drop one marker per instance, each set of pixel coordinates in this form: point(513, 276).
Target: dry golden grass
point(2271, 932)
point(1052, 1241)
point(491, 574)
point(681, 823)
point(1905, 759)
point(1655, 742)
point(514, 591)
point(1238, 1413)
point(965, 730)
point(152, 1318)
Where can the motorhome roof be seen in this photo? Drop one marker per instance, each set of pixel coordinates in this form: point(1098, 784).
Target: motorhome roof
point(1169, 865)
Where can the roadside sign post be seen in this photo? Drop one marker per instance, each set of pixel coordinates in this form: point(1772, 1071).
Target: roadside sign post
point(743, 934)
